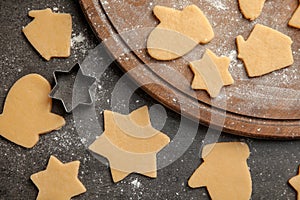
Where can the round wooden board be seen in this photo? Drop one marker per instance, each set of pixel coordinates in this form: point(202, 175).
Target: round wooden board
point(263, 107)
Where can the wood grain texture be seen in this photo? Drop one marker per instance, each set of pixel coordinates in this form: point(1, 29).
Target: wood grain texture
point(274, 111)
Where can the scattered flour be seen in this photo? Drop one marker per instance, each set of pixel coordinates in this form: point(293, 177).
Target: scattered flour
point(77, 39)
point(79, 43)
point(218, 4)
point(136, 183)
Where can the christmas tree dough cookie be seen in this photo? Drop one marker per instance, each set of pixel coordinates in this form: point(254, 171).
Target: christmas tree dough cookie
point(50, 33)
point(251, 9)
point(224, 172)
point(27, 111)
point(130, 147)
point(178, 32)
point(295, 21)
point(59, 181)
point(211, 73)
point(266, 50)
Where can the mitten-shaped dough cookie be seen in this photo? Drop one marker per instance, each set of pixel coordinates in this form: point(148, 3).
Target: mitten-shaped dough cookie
point(178, 32)
point(224, 172)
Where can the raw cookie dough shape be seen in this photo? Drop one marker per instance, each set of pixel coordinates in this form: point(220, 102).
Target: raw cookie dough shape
point(27, 111)
point(178, 32)
point(59, 181)
point(251, 9)
point(50, 33)
point(295, 20)
point(129, 153)
point(295, 183)
point(266, 50)
point(211, 73)
point(224, 172)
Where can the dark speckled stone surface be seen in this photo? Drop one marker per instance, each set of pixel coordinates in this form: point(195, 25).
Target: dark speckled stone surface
point(271, 163)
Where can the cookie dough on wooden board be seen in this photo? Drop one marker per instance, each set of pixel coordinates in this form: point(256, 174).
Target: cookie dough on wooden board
point(224, 171)
point(28, 108)
point(50, 33)
point(211, 73)
point(295, 21)
point(130, 147)
point(251, 9)
point(178, 32)
point(59, 181)
point(266, 50)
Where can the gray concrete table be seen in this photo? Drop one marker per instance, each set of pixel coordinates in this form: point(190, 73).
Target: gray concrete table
point(271, 163)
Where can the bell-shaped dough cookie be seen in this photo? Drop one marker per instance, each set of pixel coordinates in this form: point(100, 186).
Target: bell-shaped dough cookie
point(178, 32)
point(50, 33)
point(251, 9)
point(27, 111)
point(224, 172)
point(266, 50)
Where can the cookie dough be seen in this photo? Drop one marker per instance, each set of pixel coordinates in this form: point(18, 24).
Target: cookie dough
point(132, 148)
point(178, 32)
point(251, 9)
point(295, 182)
point(266, 50)
point(211, 73)
point(295, 21)
point(59, 181)
point(224, 172)
point(50, 33)
point(28, 108)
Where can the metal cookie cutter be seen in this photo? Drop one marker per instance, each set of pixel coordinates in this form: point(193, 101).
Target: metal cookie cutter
point(65, 91)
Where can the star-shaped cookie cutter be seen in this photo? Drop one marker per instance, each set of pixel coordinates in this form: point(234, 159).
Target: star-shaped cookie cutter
point(64, 89)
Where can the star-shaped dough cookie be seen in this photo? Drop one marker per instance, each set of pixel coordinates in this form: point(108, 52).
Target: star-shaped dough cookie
point(211, 73)
point(130, 143)
point(295, 182)
point(59, 181)
point(295, 20)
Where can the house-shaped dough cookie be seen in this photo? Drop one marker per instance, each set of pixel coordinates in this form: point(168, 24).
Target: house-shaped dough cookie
point(50, 33)
point(266, 50)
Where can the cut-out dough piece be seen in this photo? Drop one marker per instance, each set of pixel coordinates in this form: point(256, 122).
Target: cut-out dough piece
point(224, 172)
point(50, 33)
point(251, 9)
point(266, 50)
point(211, 73)
point(59, 181)
point(295, 183)
point(27, 111)
point(178, 32)
point(295, 21)
point(130, 152)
